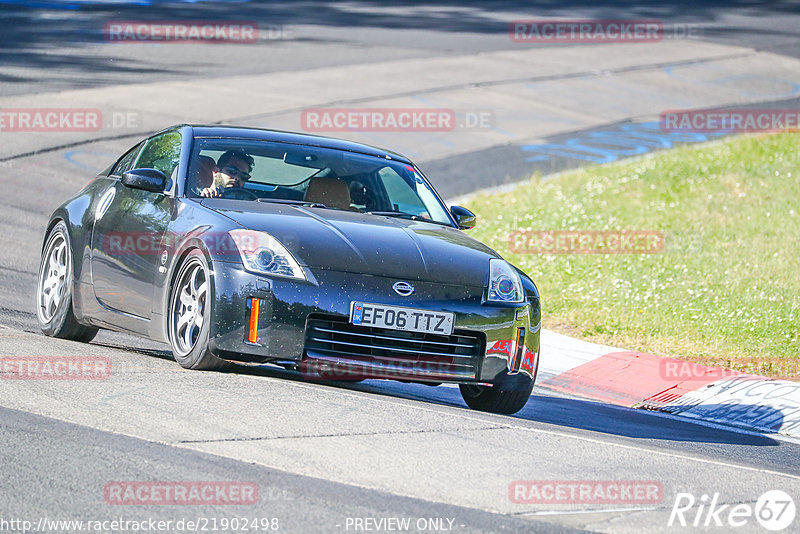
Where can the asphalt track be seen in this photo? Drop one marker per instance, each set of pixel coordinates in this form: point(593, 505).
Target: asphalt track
point(322, 453)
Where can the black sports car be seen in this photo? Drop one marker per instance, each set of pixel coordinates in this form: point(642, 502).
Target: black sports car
point(330, 257)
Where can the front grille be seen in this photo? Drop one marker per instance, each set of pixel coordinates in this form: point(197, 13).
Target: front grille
point(397, 353)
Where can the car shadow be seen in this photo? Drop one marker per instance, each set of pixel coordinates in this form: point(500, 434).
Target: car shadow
point(162, 354)
point(543, 407)
point(555, 410)
point(632, 422)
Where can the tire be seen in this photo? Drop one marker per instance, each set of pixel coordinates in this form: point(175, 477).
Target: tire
point(508, 396)
point(54, 290)
point(189, 316)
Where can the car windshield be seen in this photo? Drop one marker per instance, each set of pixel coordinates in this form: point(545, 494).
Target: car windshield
point(322, 177)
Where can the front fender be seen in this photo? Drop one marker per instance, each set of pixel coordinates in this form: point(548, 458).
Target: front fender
point(194, 227)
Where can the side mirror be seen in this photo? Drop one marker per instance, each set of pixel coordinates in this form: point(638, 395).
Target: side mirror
point(151, 180)
point(464, 218)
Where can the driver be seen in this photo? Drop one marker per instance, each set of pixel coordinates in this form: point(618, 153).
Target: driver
point(232, 170)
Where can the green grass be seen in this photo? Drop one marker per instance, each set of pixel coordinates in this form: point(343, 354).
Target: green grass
point(726, 288)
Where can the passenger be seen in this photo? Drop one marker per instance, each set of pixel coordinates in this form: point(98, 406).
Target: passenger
point(204, 176)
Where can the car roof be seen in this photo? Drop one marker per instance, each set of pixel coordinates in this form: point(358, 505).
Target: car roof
point(240, 132)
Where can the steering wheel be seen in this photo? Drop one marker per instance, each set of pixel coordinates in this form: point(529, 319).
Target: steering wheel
point(238, 193)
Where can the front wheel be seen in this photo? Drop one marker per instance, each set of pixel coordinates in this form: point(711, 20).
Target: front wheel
point(190, 315)
point(54, 290)
point(508, 396)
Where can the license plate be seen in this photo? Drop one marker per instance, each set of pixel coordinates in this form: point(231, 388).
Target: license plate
point(400, 318)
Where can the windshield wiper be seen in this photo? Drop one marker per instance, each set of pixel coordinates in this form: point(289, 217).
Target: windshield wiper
point(293, 202)
point(404, 215)
point(399, 214)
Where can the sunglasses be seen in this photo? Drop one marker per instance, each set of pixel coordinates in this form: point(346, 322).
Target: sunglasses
point(233, 171)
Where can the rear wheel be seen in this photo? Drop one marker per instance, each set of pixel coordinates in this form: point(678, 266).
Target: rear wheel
point(190, 315)
point(54, 290)
point(509, 394)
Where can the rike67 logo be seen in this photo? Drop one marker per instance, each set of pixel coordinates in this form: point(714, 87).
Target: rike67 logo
point(774, 510)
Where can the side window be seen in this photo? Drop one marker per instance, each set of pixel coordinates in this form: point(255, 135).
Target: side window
point(126, 162)
point(161, 152)
point(401, 195)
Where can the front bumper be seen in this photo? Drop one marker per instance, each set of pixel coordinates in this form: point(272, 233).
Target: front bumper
point(507, 334)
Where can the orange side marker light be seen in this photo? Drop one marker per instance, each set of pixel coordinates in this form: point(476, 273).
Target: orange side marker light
point(252, 334)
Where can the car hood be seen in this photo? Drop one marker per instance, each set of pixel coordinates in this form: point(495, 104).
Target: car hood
point(366, 244)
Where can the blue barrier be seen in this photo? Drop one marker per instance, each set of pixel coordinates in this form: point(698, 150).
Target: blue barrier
point(609, 145)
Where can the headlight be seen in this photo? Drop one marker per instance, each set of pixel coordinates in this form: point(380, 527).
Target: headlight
point(504, 282)
point(263, 254)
